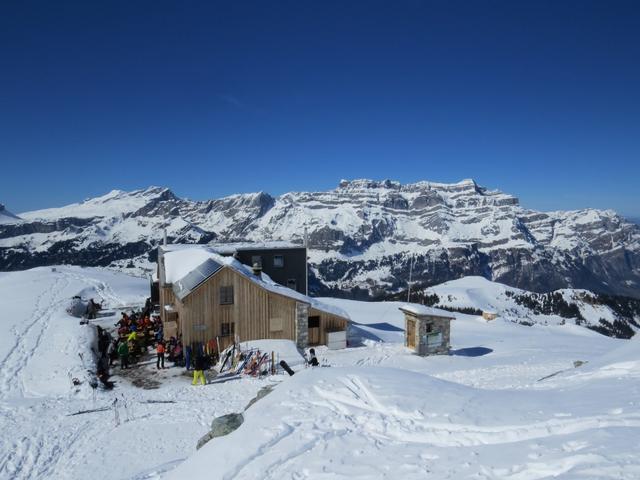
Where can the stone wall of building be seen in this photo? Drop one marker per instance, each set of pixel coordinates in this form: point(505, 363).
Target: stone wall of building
point(438, 324)
point(302, 325)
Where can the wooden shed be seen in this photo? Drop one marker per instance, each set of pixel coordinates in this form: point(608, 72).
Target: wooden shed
point(205, 296)
point(427, 330)
point(489, 315)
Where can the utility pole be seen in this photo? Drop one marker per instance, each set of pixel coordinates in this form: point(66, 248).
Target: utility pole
point(411, 263)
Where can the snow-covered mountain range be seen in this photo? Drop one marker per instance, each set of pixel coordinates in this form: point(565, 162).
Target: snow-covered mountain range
point(363, 236)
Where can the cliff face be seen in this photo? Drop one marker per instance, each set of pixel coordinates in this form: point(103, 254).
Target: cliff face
point(363, 236)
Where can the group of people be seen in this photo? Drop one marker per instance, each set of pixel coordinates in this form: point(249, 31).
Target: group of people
point(149, 325)
point(139, 331)
point(136, 333)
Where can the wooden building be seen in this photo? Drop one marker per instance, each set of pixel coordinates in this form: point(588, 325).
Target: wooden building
point(205, 296)
point(489, 315)
point(427, 330)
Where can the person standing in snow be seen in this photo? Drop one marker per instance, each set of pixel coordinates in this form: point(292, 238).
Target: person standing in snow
point(198, 372)
point(160, 351)
point(132, 339)
point(159, 335)
point(92, 309)
point(123, 353)
point(187, 357)
point(313, 361)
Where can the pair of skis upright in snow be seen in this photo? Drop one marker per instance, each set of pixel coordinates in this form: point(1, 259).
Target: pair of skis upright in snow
point(228, 358)
point(251, 364)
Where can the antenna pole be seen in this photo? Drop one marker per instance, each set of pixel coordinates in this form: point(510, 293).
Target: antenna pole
point(411, 262)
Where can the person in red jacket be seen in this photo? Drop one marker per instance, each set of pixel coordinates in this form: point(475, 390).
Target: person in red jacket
point(160, 351)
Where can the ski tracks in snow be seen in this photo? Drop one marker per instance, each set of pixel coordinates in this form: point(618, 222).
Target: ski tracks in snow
point(35, 449)
point(358, 403)
point(36, 453)
point(104, 290)
point(28, 341)
point(352, 407)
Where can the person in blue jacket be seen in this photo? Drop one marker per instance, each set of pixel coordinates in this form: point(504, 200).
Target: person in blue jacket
point(187, 357)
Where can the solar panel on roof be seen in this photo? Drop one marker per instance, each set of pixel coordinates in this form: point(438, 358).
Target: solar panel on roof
point(189, 282)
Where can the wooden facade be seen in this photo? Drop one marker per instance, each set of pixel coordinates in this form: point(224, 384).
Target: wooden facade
point(255, 312)
point(489, 315)
point(328, 323)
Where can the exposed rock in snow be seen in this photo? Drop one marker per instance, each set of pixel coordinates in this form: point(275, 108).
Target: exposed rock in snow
point(7, 217)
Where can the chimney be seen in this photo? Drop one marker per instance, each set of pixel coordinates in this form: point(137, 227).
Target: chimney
point(257, 269)
point(164, 240)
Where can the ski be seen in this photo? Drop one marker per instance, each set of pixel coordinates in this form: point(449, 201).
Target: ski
point(244, 362)
point(224, 362)
point(82, 412)
point(261, 362)
point(252, 362)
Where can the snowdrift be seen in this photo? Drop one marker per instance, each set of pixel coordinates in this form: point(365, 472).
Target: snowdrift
point(390, 423)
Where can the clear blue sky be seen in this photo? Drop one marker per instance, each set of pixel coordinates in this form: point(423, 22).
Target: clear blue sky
point(540, 99)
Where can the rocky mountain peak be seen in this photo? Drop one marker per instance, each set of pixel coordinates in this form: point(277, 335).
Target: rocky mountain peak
point(363, 235)
point(366, 184)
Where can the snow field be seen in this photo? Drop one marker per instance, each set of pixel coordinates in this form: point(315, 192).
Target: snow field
point(381, 423)
point(40, 437)
point(507, 404)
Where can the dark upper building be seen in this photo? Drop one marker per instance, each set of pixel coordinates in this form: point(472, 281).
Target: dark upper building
point(285, 263)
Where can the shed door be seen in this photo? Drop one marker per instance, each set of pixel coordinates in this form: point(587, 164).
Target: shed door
point(411, 334)
point(314, 330)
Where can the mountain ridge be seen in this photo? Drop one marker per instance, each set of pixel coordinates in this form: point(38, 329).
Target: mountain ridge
point(364, 235)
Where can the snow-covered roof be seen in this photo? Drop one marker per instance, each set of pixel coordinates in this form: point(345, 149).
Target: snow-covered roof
point(181, 261)
point(417, 309)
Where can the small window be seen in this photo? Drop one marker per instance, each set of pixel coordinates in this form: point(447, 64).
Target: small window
point(314, 322)
point(226, 295)
point(227, 329)
point(292, 284)
point(429, 327)
point(256, 259)
point(278, 261)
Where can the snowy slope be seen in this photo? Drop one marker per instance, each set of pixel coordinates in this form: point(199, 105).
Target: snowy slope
point(41, 341)
point(362, 235)
point(580, 306)
point(378, 412)
point(388, 423)
point(481, 413)
point(39, 352)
